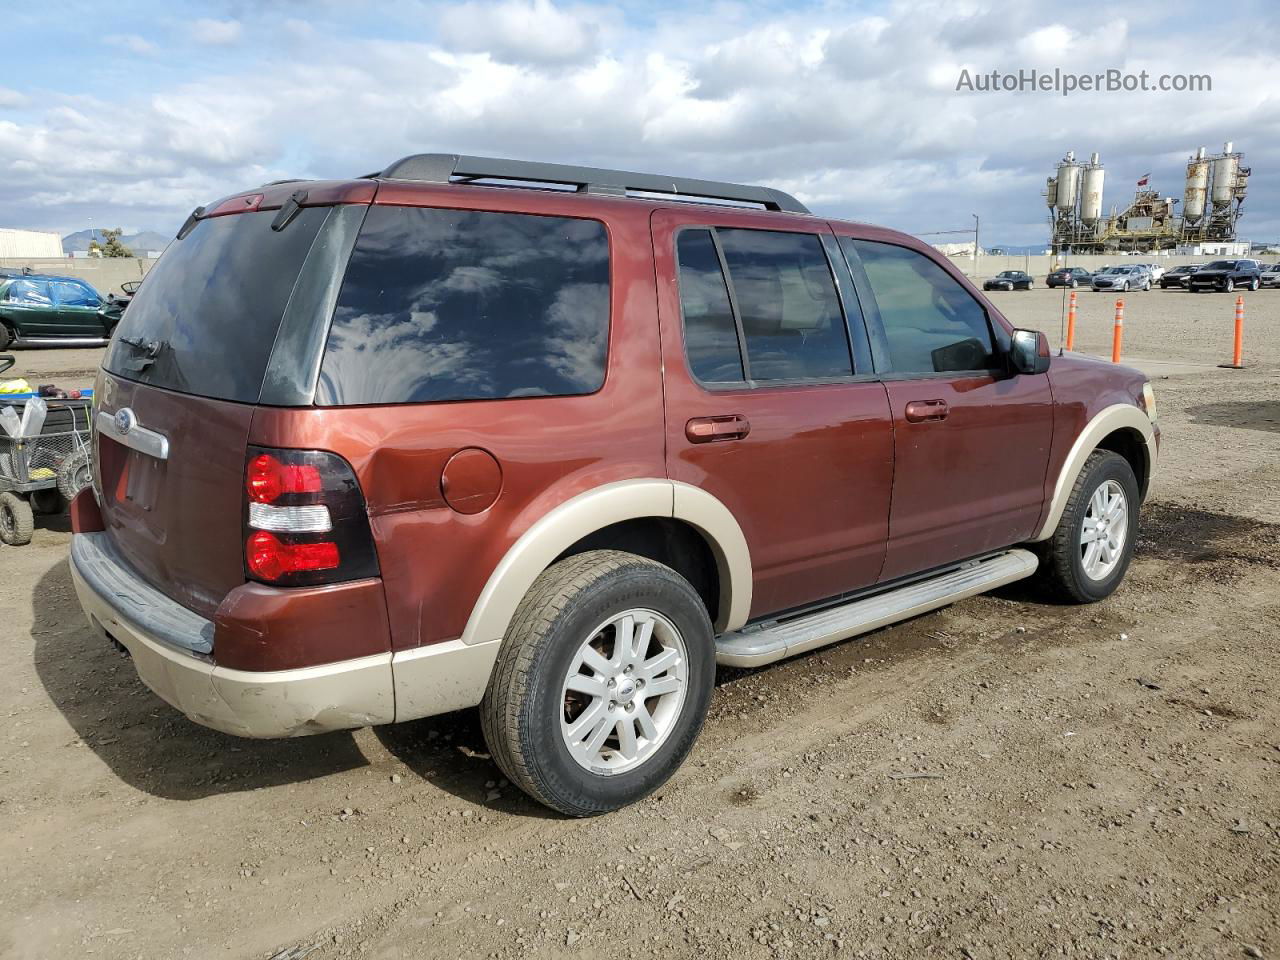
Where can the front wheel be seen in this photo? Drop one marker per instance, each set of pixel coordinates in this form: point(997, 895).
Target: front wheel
point(6, 336)
point(602, 682)
point(1254, 284)
point(1230, 286)
point(1124, 287)
point(1088, 554)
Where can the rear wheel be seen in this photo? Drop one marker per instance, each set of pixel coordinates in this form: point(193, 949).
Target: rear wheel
point(602, 682)
point(74, 474)
point(17, 522)
point(1088, 554)
point(1254, 284)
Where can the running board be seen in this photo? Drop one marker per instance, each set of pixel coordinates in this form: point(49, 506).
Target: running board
point(61, 342)
point(755, 646)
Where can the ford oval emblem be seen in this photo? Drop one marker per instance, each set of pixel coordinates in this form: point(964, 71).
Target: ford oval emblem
point(125, 420)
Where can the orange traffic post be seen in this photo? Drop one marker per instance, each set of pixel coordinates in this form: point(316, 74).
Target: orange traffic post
point(1071, 321)
point(1237, 352)
point(1117, 332)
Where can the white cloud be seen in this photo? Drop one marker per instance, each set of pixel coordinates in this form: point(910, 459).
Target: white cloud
point(516, 31)
point(133, 43)
point(216, 33)
point(859, 115)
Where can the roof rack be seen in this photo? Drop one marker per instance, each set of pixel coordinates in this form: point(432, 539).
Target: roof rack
point(452, 167)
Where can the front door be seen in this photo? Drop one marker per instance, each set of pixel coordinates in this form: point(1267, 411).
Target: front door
point(30, 308)
point(77, 308)
point(770, 406)
point(971, 441)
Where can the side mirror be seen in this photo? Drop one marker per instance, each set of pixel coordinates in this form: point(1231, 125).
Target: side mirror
point(1029, 352)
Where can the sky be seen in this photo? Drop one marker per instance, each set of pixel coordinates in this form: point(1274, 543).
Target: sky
point(132, 114)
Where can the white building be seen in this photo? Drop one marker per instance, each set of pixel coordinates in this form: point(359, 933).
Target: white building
point(31, 244)
point(1215, 248)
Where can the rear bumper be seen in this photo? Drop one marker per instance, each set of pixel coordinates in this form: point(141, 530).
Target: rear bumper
point(170, 645)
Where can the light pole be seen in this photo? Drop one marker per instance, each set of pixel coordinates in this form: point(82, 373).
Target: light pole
point(976, 222)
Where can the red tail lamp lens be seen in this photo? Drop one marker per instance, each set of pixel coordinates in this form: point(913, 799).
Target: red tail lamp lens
point(271, 559)
point(267, 479)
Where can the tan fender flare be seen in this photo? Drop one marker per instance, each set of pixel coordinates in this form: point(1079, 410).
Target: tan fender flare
point(1120, 416)
point(595, 509)
point(453, 675)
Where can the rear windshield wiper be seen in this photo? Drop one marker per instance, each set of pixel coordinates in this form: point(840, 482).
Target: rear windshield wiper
point(150, 350)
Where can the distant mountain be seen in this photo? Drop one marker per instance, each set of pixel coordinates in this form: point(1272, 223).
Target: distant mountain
point(137, 242)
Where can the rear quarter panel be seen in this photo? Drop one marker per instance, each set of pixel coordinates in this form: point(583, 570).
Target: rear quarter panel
point(435, 561)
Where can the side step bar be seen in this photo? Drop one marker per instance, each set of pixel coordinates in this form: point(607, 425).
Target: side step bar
point(757, 645)
point(61, 342)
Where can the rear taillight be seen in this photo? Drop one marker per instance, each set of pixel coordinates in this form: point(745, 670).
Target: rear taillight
point(305, 519)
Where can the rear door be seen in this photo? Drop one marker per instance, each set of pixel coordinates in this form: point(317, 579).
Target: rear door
point(771, 407)
point(188, 365)
point(77, 306)
point(971, 443)
point(29, 308)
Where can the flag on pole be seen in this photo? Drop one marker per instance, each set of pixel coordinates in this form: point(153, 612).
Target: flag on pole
point(1146, 177)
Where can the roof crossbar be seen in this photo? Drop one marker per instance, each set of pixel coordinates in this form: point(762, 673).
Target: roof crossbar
point(452, 167)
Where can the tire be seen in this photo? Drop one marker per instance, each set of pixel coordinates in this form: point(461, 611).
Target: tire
point(1074, 284)
point(47, 502)
point(1124, 288)
point(1255, 283)
point(74, 474)
point(17, 522)
point(1063, 570)
point(6, 336)
point(528, 711)
point(1229, 286)
point(1146, 286)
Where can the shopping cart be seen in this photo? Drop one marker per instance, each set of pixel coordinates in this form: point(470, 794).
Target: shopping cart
point(42, 473)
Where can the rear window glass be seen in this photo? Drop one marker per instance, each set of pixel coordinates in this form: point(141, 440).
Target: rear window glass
point(466, 305)
point(206, 318)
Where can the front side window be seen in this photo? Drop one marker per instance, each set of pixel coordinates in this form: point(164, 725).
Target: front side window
point(72, 294)
point(29, 293)
point(442, 304)
point(930, 322)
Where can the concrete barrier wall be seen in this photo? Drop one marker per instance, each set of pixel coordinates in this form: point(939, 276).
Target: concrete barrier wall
point(104, 274)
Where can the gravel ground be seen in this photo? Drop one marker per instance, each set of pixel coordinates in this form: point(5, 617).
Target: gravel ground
point(1002, 778)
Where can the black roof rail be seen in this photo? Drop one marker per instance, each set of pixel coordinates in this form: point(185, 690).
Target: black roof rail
point(450, 167)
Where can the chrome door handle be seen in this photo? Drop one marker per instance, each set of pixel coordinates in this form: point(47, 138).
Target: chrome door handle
point(715, 429)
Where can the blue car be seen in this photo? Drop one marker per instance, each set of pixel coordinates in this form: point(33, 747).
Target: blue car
point(39, 310)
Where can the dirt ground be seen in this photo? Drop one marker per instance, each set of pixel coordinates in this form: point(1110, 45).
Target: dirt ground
point(1002, 778)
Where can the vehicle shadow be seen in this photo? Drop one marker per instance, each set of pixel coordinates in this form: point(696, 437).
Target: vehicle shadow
point(144, 741)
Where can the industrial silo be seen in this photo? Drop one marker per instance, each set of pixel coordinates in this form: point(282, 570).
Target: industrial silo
point(1197, 187)
point(1068, 182)
point(1225, 170)
point(1091, 192)
point(1051, 191)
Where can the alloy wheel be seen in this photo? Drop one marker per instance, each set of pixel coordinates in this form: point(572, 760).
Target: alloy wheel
point(624, 691)
point(1104, 530)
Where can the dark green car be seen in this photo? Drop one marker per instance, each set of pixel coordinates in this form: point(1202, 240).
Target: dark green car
point(44, 311)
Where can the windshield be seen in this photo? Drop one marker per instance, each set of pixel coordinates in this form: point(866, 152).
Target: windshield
point(1221, 265)
point(1009, 273)
point(206, 319)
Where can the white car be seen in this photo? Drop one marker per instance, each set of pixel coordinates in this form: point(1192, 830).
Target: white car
point(1271, 275)
point(1155, 270)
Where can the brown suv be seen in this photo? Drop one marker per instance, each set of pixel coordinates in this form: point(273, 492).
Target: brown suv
point(556, 441)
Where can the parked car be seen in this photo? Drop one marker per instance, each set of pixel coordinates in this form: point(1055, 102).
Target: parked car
point(1179, 276)
point(113, 307)
point(522, 449)
point(1270, 276)
point(37, 310)
point(1129, 277)
point(1226, 275)
point(1009, 280)
point(1156, 270)
point(1068, 277)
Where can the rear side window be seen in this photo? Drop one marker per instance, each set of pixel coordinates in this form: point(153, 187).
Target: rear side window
point(787, 310)
point(30, 293)
point(466, 305)
point(207, 317)
point(710, 335)
point(931, 324)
